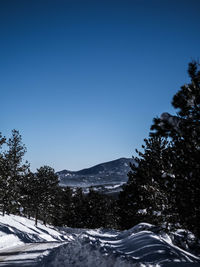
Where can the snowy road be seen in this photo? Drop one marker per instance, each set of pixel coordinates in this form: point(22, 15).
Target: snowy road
point(78, 253)
point(24, 244)
point(26, 255)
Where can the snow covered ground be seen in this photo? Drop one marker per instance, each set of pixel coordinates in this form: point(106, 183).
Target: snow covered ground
point(16, 230)
point(139, 246)
point(24, 244)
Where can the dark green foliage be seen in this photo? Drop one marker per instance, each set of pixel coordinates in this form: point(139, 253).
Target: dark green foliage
point(145, 196)
point(13, 172)
point(76, 209)
point(167, 176)
point(30, 195)
point(79, 208)
point(47, 180)
point(100, 210)
point(2, 141)
point(2, 173)
point(63, 211)
point(184, 133)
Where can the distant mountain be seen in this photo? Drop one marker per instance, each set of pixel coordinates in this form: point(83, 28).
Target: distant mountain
point(106, 176)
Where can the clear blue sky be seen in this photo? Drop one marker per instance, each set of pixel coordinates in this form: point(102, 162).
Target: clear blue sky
point(82, 80)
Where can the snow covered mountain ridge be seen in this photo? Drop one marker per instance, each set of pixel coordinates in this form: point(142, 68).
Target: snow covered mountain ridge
point(109, 175)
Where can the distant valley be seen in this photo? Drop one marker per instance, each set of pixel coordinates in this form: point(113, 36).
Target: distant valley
point(106, 177)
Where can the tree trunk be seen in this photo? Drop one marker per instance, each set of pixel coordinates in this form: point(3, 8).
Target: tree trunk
point(36, 217)
point(44, 220)
point(3, 211)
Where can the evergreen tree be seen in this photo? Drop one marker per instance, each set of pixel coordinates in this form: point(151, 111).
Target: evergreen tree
point(47, 181)
point(2, 141)
point(2, 173)
point(100, 210)
point(79, 209)
point(14, 170)
point(30, 189)
point(184, 132)
point(63, 213)
point(145, 196)
point(68, 207)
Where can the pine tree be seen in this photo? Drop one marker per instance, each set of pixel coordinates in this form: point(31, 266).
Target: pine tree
point(67, 209)
point(100, 210)
point(2, 173)
point(47, 181)
point(2, 141)
point(184, 132)
point(144, 197)
point(63, 212)
point(14, 170)
point(30, 189)
point(79, 208)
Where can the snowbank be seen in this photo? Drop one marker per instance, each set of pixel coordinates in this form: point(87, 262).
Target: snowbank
point(142, 245)
point(24, 244)
point(16, 230)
